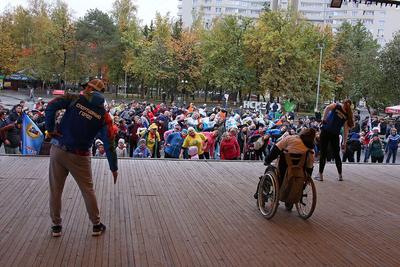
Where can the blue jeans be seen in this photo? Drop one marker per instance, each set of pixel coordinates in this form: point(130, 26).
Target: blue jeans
point(391, 152)
point(366, 154)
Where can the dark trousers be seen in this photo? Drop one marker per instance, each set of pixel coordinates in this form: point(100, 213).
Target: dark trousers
point(168, 156)
point(391, 152)
point(206, 155)
point(376, 159)
point(327, 139)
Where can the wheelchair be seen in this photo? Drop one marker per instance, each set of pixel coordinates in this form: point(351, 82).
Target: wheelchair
point(269, 192)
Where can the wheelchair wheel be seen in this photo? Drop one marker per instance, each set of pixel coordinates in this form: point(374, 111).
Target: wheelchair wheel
point(308, 201)
point(268, 195)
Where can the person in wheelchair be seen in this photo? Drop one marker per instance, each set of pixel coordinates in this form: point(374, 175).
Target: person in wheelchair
point(294, 145)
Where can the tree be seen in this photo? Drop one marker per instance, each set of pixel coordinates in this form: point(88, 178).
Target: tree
point(63, 40)
point(357, 54)
point(8, 49)
point(33, 32)
point(390, 62)
point(124, 15)
point(283, 50)
point(187, 61)
point(223, 50)
point(98, 42)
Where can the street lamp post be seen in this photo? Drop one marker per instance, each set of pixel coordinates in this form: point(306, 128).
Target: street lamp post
point(320, 47)
point(184, 83)
point(126, 83)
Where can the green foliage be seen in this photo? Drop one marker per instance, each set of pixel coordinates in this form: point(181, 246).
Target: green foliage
point(223, 50)
point(7, 46)
point(99, 41)
point(390, 62)
point(358, 54)
point(284, 51)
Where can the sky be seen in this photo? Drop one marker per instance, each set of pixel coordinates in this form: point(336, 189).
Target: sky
point(146, 8)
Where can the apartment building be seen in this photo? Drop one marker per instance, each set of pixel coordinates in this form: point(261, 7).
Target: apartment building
point(211, 9)
point(383, 21)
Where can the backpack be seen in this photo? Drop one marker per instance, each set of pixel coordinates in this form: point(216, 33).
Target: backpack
point(292, 186)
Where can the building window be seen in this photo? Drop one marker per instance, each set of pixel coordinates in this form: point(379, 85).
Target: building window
point(207, 1)
point(368, 21)
point(354, 13)
point(381, 23)
point(380, 32)
point(305, 4)
point(231, 10)
point(368, 13)
point(206, 8)
point(218, 9)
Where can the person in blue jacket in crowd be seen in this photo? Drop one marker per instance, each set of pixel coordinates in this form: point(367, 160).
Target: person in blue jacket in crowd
point(142, 151)
point(84, 117)
point(173, 144)
point(392, 146)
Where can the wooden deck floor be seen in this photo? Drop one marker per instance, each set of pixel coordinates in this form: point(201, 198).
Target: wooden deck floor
point(171, 213)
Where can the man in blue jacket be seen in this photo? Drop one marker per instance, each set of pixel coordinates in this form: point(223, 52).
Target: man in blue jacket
point(84, 117)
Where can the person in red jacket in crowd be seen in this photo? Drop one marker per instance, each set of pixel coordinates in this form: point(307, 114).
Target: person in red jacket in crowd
point(149, 114)
point(229, 149)
point(209, 146)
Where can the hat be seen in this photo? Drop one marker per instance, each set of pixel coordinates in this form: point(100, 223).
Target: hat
point(142, 141)
point(153, 126)
point(375, 128)
point(97, 85)
point(122, 141)
point(98, 142)
point(184, 131)
point(39, 99)
point(191, 129)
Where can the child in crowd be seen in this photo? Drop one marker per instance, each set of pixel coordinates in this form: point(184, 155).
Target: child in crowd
point(100, 151)
point(142, 151)
point(193, 152)
point(121, 149)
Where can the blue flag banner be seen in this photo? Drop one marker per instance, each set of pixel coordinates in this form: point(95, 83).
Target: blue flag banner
point(32, 137)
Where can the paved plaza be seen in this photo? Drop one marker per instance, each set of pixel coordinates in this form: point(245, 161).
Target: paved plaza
point(185, 213)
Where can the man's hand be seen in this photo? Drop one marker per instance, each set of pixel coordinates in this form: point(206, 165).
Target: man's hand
point(50, 135)
point(6, 142)
point(115, 175)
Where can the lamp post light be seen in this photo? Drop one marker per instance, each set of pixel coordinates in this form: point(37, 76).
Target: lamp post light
point(184, 82)
point(320, 47)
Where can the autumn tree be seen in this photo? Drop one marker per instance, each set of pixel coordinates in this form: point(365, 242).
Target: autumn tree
point(8, 49)
point(223, 50)
point(283, 49)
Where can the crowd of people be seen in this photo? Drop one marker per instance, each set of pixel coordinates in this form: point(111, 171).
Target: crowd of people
point(148, 130)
